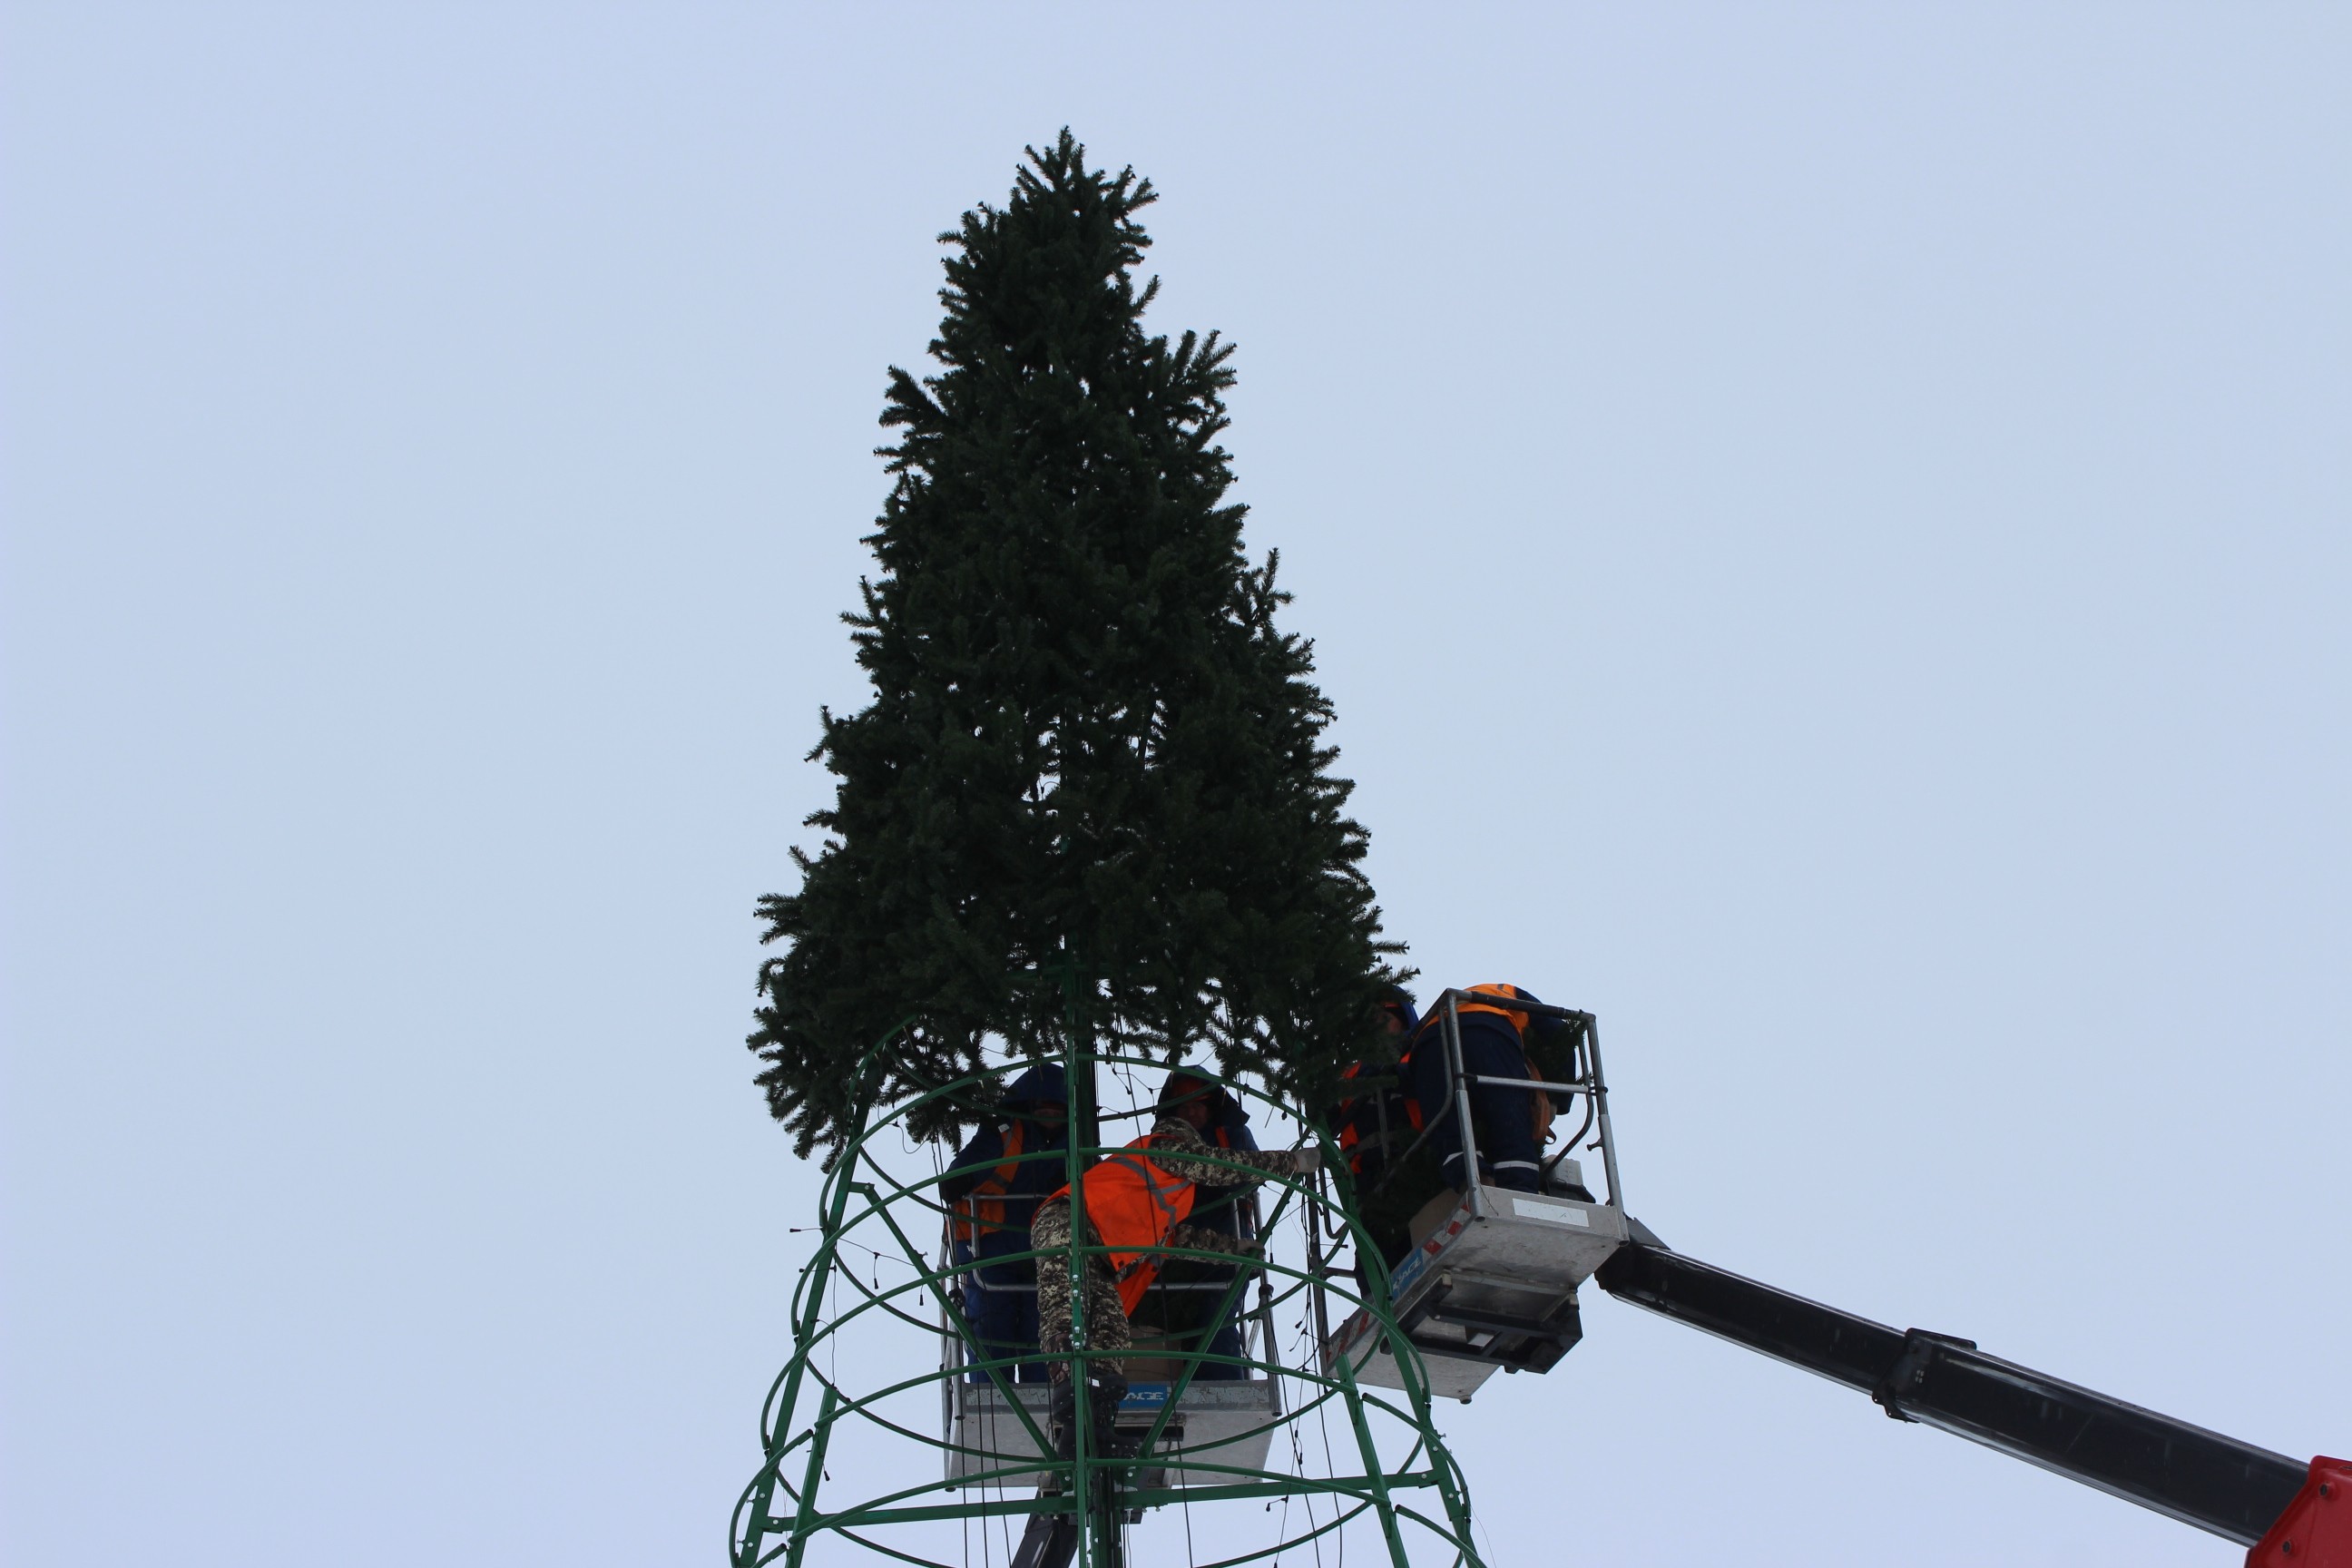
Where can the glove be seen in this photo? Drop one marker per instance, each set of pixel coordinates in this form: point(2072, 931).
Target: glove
point(1309, 1157)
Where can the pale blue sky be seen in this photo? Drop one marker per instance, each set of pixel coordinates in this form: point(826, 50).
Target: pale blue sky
point(1890, 464)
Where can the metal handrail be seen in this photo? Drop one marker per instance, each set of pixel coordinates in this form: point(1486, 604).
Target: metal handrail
point(1589, 1082)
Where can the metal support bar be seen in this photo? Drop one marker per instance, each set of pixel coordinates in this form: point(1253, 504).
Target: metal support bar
point(1098, 1533)
point(2215, 1483)
point(1454, 1065)
point(1601, 1108)
point(1143, 1497)
point(1172, 1286)
point(1315, 1292)
point(1574, 1087)
point(1375, 1472)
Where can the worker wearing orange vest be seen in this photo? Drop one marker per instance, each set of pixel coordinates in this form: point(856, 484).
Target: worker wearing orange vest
point(1137, 1200)
point(1378, 1122)
point(1376, 1125)
point(1494, 1045)
point(991, 1193)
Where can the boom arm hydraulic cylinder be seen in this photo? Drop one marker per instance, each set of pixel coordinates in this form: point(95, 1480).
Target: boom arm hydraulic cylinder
point(2201, 1477)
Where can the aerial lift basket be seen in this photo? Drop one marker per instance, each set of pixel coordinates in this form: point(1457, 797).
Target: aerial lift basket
point(1491, 1283)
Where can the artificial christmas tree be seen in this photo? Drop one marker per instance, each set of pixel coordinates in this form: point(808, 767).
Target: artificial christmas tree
point(1091, 791)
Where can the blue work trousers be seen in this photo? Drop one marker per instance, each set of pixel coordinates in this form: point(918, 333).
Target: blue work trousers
point(1503, 1119)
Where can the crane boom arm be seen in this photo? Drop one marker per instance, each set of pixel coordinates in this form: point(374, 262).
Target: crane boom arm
point(2232, 1488)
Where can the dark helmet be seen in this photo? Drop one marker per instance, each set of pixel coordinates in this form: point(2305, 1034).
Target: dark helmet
point(1184, 1086)
point(1397, 1002)
point(1040, 1086)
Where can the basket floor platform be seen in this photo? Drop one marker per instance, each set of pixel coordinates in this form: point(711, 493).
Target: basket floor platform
point(1494, 1286)
point(1228, 1423)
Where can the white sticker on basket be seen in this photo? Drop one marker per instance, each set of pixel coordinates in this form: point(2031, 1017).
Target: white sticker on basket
point(1559, 1214)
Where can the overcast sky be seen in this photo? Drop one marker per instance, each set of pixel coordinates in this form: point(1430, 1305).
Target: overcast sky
point(1886, 469)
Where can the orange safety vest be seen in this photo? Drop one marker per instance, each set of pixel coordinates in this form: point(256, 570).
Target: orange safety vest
point(1133, 1204)
point(1433, 1026)
point(981, 1210)
point(1508, 993)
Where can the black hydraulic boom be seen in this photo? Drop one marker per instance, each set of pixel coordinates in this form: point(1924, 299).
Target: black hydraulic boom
point(2201, 1477)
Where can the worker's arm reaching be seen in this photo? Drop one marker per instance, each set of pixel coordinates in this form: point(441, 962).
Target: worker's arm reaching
point(1198, 1238)
point(1178, 1148)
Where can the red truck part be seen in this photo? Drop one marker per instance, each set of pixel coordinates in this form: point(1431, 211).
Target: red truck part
point(2315, 1531)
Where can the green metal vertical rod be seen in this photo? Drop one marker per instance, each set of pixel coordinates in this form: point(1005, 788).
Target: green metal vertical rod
point(1373, 1472)
point(805, 1516)
point(1082, 1134)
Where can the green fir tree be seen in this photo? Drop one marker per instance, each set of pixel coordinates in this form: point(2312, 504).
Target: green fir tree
point(1092, 781)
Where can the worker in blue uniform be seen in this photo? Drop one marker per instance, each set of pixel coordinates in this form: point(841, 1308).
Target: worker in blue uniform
point(1375, 1121)
point(1378, 1122)
point(991, 1193)
point(1510, 1123)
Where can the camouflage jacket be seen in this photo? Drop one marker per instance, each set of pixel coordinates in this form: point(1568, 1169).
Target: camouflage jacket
point(1182, 1152)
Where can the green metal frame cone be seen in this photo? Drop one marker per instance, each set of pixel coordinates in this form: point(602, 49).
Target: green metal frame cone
point(869, 1208)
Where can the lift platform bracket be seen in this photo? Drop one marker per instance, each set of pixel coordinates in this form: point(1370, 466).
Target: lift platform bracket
point(2315, 1531)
